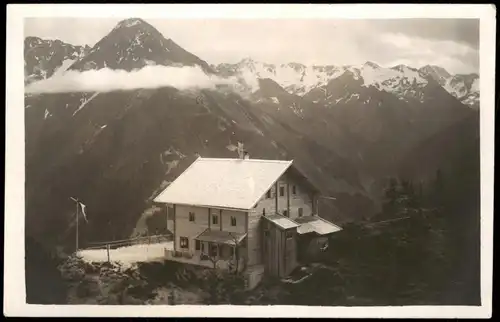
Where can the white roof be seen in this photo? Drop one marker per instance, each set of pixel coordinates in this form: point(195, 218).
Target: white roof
point(224, 183)
point(282, 221)
point(317, 225)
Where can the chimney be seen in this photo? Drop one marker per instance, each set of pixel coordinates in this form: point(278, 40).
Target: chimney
point(246, 155)
point(240, 150)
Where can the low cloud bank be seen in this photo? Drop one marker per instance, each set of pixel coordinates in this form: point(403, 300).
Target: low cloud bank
point(149, 77)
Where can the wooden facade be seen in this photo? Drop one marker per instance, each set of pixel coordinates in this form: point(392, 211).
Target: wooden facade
point(279, 249)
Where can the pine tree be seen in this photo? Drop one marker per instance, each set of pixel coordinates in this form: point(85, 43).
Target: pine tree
point(406, 198)
point(391, 197)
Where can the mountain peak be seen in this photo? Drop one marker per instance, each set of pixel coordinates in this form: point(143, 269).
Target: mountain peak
point(400, 67)
point(130, 22)
point(371, 64)
point(435, 71)
point(132, 44)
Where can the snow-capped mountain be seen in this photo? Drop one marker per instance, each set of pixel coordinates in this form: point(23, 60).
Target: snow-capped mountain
point(294, 77)
point(132, 44)
point(45, 58)
point(439, 74)
point(403, 81)
point(465, 87)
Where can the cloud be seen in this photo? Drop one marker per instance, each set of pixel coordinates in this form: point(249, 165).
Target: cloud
point(149, 77)
point(463, 31)
point(456, 57)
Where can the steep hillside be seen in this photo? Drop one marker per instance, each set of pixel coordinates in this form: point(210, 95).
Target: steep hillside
point(116, 150)
point(122, 147)
point(378, 126)
point(454, 148)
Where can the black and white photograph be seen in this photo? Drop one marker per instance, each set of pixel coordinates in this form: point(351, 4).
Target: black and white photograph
point(266, 162)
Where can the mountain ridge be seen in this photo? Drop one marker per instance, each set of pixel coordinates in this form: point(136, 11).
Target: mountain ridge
point(43, 58)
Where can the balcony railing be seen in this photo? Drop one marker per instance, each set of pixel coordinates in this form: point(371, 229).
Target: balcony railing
point(202, 259)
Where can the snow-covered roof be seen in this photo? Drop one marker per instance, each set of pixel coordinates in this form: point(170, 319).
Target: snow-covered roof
point(224, 183)
point(315, 224)
point(282, 221)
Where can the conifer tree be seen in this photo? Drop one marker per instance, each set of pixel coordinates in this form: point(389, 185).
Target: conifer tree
point(391, 197)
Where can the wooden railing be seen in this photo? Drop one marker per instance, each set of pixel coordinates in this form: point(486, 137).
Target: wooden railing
point(132, 241)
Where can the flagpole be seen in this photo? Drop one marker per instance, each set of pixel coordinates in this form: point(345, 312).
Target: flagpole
point(77, 227)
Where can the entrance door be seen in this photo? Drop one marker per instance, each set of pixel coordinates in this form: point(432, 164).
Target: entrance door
point(290, 252)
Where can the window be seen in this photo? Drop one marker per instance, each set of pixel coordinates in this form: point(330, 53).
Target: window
point(233, 221)
point(301, 211)
point(294, 190)
point(282, 191)
point(263, 211)
point(215, 219)
point(191, 216)
point(285, 213)
point(266, 233)
point(289, 234)
point(184, 241)
point(268, 194)
point(197, 245)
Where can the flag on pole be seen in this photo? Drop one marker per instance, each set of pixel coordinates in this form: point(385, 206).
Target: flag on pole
point(83, 211)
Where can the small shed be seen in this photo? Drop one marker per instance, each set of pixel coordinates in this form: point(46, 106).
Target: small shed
point(279, 245)
point(313, 233)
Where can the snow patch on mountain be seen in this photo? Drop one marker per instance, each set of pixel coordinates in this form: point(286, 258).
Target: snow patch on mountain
point(456, 89)
point(65, 65)
point(465, 88)
point(128, 23)
point(475, 85)
point(84, 102)
point(47, 114)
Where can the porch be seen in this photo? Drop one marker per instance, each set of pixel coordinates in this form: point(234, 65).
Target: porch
point(214, 249)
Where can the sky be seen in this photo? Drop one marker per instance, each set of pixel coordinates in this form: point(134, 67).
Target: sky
point(449, 43)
